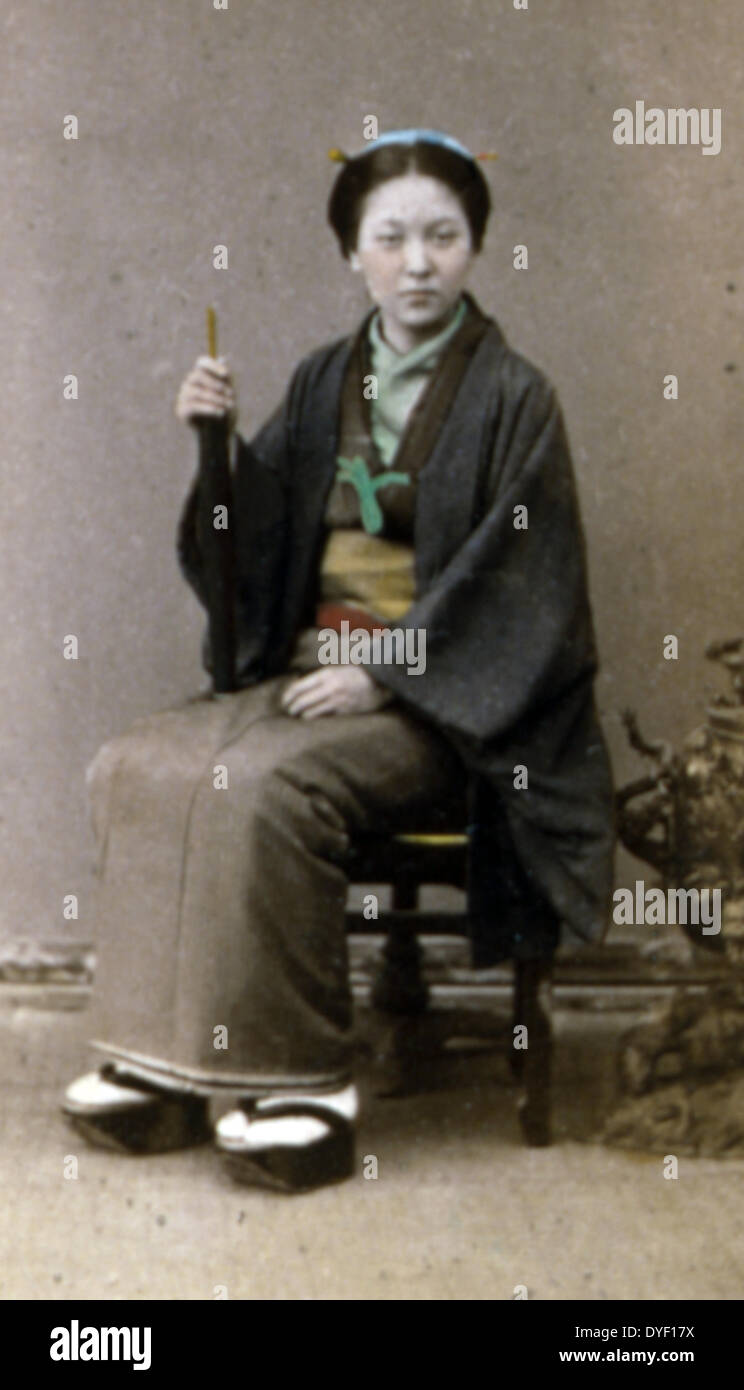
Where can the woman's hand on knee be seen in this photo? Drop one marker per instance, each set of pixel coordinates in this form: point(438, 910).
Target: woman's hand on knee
point(334, 690)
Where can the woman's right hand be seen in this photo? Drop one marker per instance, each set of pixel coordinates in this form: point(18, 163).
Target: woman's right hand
point(207, 393)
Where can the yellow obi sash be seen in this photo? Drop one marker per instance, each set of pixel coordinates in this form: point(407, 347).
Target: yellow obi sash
point(368, 572)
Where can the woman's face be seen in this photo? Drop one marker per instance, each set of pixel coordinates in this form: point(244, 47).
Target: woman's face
point(414, 248)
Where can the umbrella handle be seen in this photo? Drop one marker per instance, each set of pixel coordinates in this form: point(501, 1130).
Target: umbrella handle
point(216, 536)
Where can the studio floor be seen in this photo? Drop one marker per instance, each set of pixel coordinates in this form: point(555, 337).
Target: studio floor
point(460, 1209)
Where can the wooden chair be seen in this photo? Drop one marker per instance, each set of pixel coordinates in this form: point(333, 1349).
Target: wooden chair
point(400, 992)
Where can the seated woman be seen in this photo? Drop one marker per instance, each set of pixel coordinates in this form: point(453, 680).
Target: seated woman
point(415, 477)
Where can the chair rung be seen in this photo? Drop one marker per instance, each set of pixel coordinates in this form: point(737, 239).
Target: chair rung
point(435, 841)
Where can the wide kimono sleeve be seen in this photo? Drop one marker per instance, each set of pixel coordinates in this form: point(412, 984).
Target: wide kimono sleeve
point(510, 662)
point(507, 619)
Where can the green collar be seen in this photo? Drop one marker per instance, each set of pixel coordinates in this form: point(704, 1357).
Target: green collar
point(420, 358)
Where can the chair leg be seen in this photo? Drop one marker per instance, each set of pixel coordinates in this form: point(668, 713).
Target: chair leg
point(399, 987)
point(532, 1065)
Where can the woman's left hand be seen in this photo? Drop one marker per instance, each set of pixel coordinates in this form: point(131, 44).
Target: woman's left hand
point(334, 690)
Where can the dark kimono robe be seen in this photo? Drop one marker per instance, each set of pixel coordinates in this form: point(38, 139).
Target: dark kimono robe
point(510, 653)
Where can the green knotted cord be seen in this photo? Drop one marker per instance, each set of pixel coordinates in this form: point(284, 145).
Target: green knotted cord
point(355, 471)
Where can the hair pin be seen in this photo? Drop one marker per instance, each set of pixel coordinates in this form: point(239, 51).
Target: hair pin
point(395, 137)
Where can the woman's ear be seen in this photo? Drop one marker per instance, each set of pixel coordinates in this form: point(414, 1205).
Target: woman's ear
point(354, 261)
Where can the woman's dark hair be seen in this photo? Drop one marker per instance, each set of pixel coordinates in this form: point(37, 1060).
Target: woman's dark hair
point(366, 171)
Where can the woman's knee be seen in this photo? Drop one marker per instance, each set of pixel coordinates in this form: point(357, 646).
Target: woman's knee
point(103, 764)
point(273, 798)
point(142, 752)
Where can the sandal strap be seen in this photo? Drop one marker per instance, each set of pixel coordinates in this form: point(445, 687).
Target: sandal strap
point(111, 1071)
point(299, 1109)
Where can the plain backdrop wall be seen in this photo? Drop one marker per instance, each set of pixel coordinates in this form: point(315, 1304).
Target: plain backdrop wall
point(200, 126)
